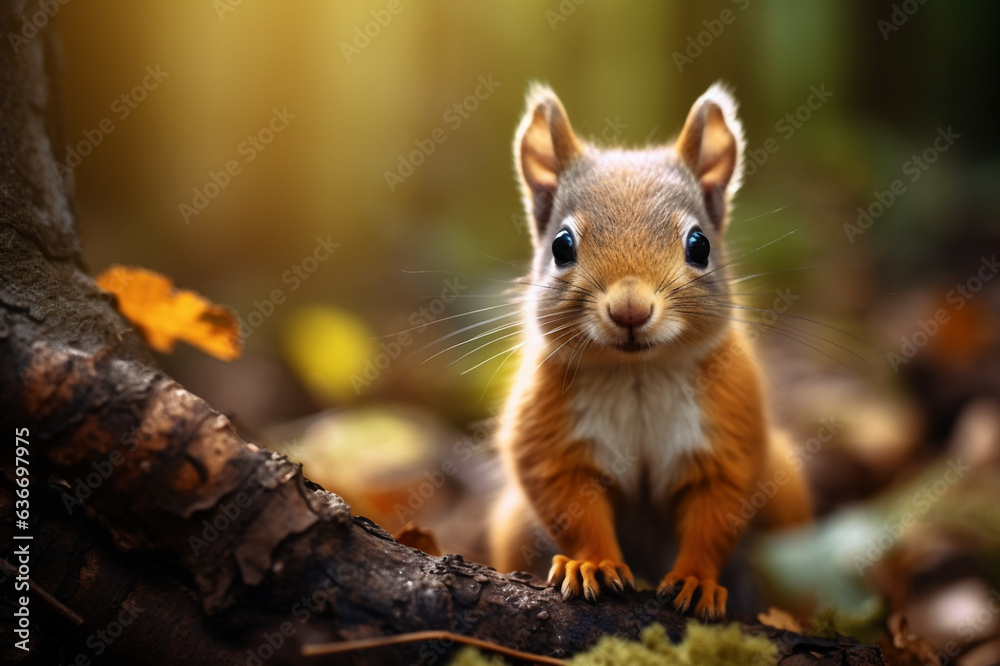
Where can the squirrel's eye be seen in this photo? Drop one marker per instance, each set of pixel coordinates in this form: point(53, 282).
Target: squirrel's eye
point(697, 248)
point(564, 248)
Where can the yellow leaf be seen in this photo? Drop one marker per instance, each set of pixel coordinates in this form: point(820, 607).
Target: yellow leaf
point(329, 348)
point(165, 315)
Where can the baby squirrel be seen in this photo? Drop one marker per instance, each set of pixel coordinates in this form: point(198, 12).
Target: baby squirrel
point(637, 391)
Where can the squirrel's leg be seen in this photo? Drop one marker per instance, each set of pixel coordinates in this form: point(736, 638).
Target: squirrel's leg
point(791, 504)
point(716, 482)
point(572, 504)
point(512, 538)
point(708, 533)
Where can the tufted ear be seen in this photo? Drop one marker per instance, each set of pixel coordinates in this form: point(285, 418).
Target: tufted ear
point(711, 145)
point(544, 147)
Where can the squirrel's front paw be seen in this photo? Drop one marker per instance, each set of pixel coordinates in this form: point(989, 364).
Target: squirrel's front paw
point(578, 576)
point(712, 604)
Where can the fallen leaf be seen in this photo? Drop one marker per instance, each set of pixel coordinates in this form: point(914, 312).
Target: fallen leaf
point(418, 537)
point(165, 315)
point(911, 648)
point(779, 619)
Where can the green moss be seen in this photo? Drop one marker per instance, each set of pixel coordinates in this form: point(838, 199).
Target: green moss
point(470, 656)
point(727, 645)
point(653, 649)
point(703, 645)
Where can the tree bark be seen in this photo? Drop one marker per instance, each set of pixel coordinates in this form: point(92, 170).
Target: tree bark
point(160, 534)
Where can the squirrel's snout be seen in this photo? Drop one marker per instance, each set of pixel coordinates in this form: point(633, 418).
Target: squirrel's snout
point(630, 305)
point(631, 315)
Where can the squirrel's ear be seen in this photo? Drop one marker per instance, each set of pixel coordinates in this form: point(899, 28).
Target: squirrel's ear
point(711, 145)
point(545, 146)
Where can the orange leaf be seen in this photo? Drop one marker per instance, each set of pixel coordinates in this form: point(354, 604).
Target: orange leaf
point(165, 315)
point(418, 537)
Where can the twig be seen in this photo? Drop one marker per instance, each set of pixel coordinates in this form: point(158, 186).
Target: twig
point(40, 591)
point(316, 649)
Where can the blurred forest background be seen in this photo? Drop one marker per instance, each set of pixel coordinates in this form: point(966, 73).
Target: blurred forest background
point(311, 104)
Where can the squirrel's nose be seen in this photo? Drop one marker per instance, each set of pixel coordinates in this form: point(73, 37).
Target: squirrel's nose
point(630, 314)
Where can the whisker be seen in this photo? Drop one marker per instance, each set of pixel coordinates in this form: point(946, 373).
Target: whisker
point(743, 278)
point(493, 341)
point(578, 353)
point(455, 316)
point(560, 347)
point(785, 333)
point(481, 335)
point(815, 322)
point(517, 282)
point(733, 261)
point(661, 286)
point(493, 376)
point(464, 329)
point(542, 274)
point(757, 217)
point(512, 349)
point(590, 278)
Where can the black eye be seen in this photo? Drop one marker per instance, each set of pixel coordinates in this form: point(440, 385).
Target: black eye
point(564, 248)
point(696, 249)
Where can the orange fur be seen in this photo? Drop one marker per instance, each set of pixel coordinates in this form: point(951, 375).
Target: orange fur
point(554, 473)
point(715, 483)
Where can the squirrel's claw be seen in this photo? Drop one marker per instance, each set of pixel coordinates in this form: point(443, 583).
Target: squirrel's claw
point(576, 577)
point(711, 606)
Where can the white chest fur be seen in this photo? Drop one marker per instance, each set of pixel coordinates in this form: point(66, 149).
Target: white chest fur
point(640, 421)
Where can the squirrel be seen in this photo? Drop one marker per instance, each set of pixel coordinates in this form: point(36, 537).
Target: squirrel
point(637, 391)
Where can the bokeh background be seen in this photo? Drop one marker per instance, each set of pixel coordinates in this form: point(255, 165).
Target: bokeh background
point(354, 88)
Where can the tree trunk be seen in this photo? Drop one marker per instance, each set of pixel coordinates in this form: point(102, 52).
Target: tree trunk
point(157, 534)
